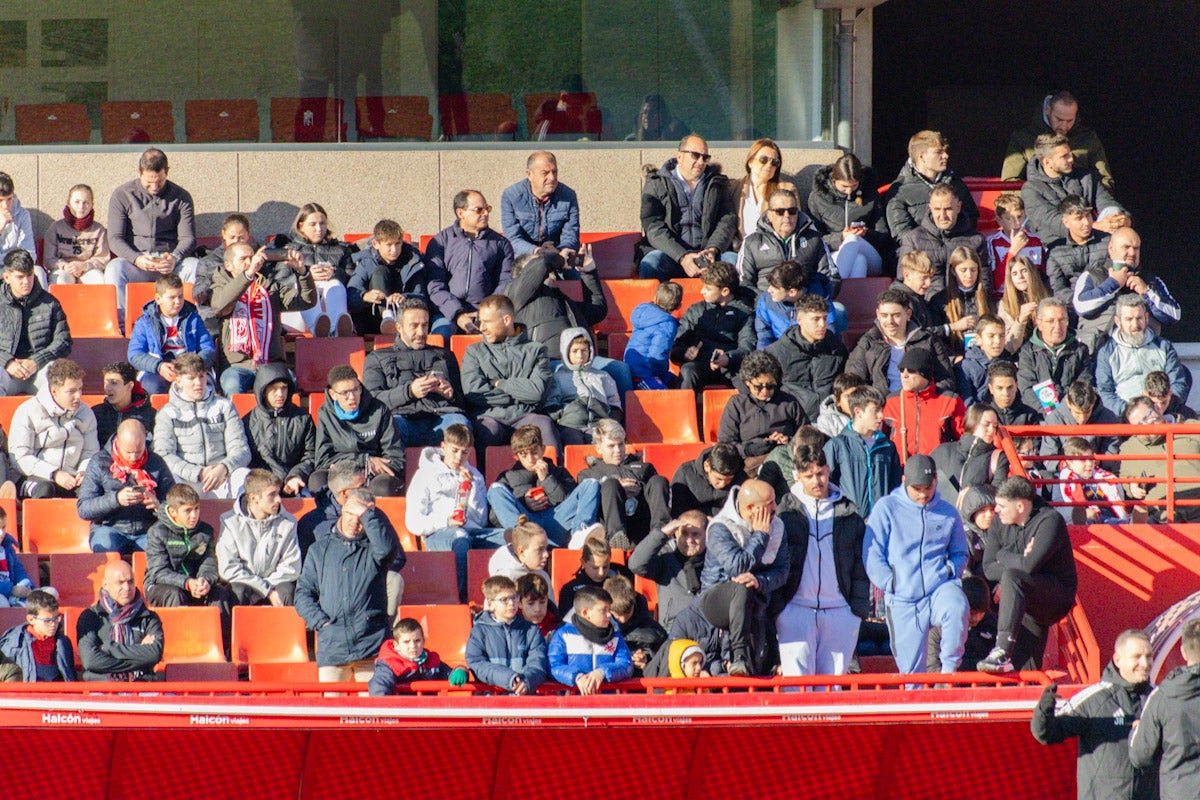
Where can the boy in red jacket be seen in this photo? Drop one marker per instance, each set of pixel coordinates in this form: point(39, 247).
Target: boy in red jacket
point(404, 659)
point(919, 416)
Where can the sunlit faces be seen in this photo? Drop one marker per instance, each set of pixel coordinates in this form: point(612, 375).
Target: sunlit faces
point(410, 644)
point(1059, 161)
point(1133, 660)
point(454, 455)
point(388, 251)
point(530, 457)
point(80, 203)
point(1079, 226)
point(536, 554)
point(1062, 116)
point(234, 233)
point(543, 177)
point(314, 227)
point(985, 430)
point(1018, 276)
point(599, 613)
point(185, 515)
point(813, 325)
point(596, 567)
point(414, 328)
point(966, 272)
point(990, 339)
point(1052, 325)
point(20, 283)
point(117, 392)
point(611, 450)
point(1012, 511)
point(474, 217)
point(277, 394)
point(494, 325)
point(1003, 389)
point(764, 165)
point(1125, 247)
point(944, 210)
point(814, 481)
point(67, 394)
point(1132, 322)
point(347, 393)
point(534, 609)
point(934, 159)
point(170, 302)
point(893, 319)
point(579, 351)
point(692, 158)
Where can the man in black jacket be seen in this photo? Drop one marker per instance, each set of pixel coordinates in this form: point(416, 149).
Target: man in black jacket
point(876, 357)
point(124, 398)
point(353, 425)
point(33, 327)
point(281, 436)
point(122, 488)
point(928, 166)
point(1102, 717)
point(703, 484)
point(1082, 248)
point(1028, 557)
point(943, 228)
point(1052, 359)
point(1052, 176)
point(716, 333)
point(120, 638)
point(810, 354)
point(1169, 731)
point(784, 233)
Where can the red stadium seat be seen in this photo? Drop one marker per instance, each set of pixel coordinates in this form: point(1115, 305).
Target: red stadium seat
point(308, 119)
point(613, 252)
point(459, 343)
point(477, 573)
point(8, 407)
point(221, 120)
point(562, 114)
point(191, 634)
point(394, 117)
point(139, 570)
point(429, 578)
point(52, 526)
point(617, 342)
point(489, 115)
point(53, 123)
point(91, 309)
point(661, 416)
point(136, 297)
point(315, 357)
point(200, 671)
point(565, 563)
point(667, 458)
point(211, 511)
point(446, 629)
point(11, 616)
point(285, 672)
point(136, 121)
point(299, 506)
point(649, 590)
point(575, 457)
point(266, 634)
point(244, 403)
point(714, 403)
point(858, 295)
point(78, 576)
point(70, 627)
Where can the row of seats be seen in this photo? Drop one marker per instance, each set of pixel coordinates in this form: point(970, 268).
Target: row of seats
point(307, 119)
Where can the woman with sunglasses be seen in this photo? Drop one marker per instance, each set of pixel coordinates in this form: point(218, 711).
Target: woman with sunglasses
point(764, 175)
point(845, 206)
point(761, 416)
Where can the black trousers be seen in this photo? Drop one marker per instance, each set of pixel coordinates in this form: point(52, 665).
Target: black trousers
point(653, 511)
point(1029, 606)
point(246, 595)
point(729, 606)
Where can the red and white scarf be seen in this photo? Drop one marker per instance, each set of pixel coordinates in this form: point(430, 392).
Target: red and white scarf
point(122, 469)
point(251, 323)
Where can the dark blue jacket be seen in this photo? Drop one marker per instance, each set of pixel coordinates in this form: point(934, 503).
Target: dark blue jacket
point(16, 569)
point(498, 653)
point(97, 501)
point(649, 349)
point(409, 275)
point(864, 474)
point(971, 375)
point(526, 225)
point(146, 341)
point(17, 644)
point(465, 270)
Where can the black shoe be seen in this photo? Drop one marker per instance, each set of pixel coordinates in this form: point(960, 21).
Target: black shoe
point(996, 661)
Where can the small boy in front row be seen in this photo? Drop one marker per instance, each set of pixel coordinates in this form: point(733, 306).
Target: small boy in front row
point(1088, 484)
point(15, 583)
point(589, 650)
point(648, 352)
point(505, 650)
point(39, 647)
point(181, 557)
point(169, 327)
point(404, 659)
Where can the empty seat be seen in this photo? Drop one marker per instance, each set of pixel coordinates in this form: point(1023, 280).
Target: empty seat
point(459, 343)
point(661, 416)
point(617, 342)
point(691, 294)
point(575, 457)
point(8, 407)
point(486, 115)
point(78, 576)
point(429, 578)
point(858, 295)
point(53, 123)
point(446, 629)
point(266, 633)
point(243, 402)
point(622, 297)
point(613, 253)
point(315, 357)
point(477, 573)
point(136, 121)
point(221, 120)
point(136, 297)
point(299, 506)
point(91, 309)
point(393, 117)
point(307, 119)
point(714, 403)
point(52, 526)
point(666, 458)
point(191, 634)
point(562, 115)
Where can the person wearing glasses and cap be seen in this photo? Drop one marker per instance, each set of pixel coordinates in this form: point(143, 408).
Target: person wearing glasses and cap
point(915, 552)
point(688, 218)
point(38, 649)
point(784, 233)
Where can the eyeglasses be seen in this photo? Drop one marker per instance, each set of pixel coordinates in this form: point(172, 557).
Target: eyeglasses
point(763, 387)
point(698, 156)
point(357, 390)
point(479, 209)
point(790, 211)
point(506, 599)
point(774, 162)
point(49, 620)
point(1151, 418)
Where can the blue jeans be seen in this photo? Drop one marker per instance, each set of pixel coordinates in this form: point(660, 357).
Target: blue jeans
point(427, 430)
point(578, 510)
point(618, 370)
point(660, 266)
point(107, 539)
point(154, 383)
point(856, 258)
point(460, 540)
point(237, 380)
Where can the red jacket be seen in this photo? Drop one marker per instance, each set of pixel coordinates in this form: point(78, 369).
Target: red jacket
point(930, 418)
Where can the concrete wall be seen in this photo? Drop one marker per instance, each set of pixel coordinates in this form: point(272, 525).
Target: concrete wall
point(358, 185)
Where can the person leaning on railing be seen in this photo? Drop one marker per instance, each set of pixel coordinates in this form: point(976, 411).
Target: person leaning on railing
point(1179, 471)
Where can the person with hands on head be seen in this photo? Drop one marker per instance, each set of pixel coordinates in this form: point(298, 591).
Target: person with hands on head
point(121, 491)
point(120, 638)
point(673, 556)
point(1166, 733)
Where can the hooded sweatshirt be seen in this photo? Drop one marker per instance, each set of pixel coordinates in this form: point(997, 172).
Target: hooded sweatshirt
point(910, 549)
point(1169, 733)
point(18, 234)
point(283, 441)
point(733, 548)
point(44, 437)
point(433, 496)
point(260, 553)
point(586, 394)
point(818, 587)
point(504, 562)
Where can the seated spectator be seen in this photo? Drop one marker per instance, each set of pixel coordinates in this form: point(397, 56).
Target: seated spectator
point(703, 483)
point(1173, 409)
point(716, 333)
point(168, 327)
point(633, 497)
point(985, 349)
point(258, 553)
point(53, 435)
point(1053, 176)
point(16, 225)
point(907, 199)
point(810, 355)
point(527, 554)
point(977, 506)
point(919, 416)
point(589, 650)
point(981, 630)
point(760, 417)
point(342, 592)
point(690, 625)
point(777, 308)
point(249, 296)
point(506, 378)
point(404, 659)
point(540, 211)
point(1185, 471)
point(686, 660)
point(784, 233)
point(654, 123)
point(76, 245)
point(1131, 353)
point(1024, 290)
point(469, 261)
point(15, 583)
point(751, 193)
point(863, 462)
point(418, 382)
point(1097, 290)
point(916, 276)
point(1028, 554)
point(281, 436)
point(181, 557)
point(688, 218)
point(944, 229)
point(327, 262)
point(235, 229)
point(353, 426)
point(386, 272)
point(834, 415)
point(199, 435)
point(1011, 240)
point(151, 228)
point(967, 297)
point(1081, 249)
point(120, 638)
point(673, 557)
point(826, 594)
point(535, 603)
point(1086, 483)
point(582, 394)
point(447, 503)
point(846, 208)
point(1052, 359)
point(124, 398)
point(595, 567)
point(121, 491)
point(648, 352)
point(746, 560)
point(876, 356)
point(33, 328)
point(1081, 406)
point(1006, 396)
point(642, 634)
point(1059, 113)
point(39, 646)
point(975, 459)
point(778, 468)
point(504, 649)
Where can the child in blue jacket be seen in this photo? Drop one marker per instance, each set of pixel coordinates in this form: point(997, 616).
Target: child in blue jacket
point(169, 327)
point(504, 649)
point(775, 310)
point(654, 329)
point(589, 650)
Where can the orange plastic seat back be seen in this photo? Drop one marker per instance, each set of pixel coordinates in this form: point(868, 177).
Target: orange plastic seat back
point(661, 416)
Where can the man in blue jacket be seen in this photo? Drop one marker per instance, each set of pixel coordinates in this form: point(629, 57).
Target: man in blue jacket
point(539, 210)
point(468, 261)
point(915, 551)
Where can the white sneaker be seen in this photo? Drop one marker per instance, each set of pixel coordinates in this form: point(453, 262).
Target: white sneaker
point(582, 533)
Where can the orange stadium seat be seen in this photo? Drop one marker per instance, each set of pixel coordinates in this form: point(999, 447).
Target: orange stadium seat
point(266, 634)
point(69, 625)
point(243, 402)
point(191, 634)
point(489, 115)
point(477, 573)
point(8, 407)
point(446, 629)
point(459, 343)
point(9, 505)
point(315, 357)
point(661, 416)
point(429, 578)
point(139, 570)
point(136, 121)
point(285, 672)
point(308, 119)
point(91, 309)
point(617, 342)
point(393, 508)
point(393, 117)
point(565, 563)
point(714, 405)
point(691, 294)
point(136, 297)
point(53, 123)
point(622, 298)
point(221, 120)
point(299, 506)
point(157, 401)
point(613, 252)
point(667, 458)
point(78, 576)
point(575, 457)
point(52, 526)
point(649, 590)
point(314, 404)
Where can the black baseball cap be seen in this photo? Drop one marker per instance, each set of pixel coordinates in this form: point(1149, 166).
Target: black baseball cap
point(920, 470)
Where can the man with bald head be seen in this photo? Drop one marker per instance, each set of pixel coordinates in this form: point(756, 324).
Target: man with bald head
point(745, 561)
point(121, 491)
point(1097, 290)
point(1059, 114)
point(688, 218)
point(539, 213)
point(120, 638)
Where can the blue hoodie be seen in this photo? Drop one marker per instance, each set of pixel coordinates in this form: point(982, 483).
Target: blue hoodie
point(146, 340)
point(911, 550)
point(772, 318)
point(649, 349)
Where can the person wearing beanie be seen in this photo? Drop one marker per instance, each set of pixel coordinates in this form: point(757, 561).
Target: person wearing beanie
point(920, 416)
point(977, 506)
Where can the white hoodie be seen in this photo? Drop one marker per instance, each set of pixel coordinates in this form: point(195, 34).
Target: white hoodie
point(504, 562)
point(433, 496)
point(18, 234)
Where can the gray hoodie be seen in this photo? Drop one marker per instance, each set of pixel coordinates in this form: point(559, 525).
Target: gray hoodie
point(18, 234)
point(586, 394)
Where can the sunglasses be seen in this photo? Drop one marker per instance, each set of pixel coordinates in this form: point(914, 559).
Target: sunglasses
point(705, 157)
point(763, 387)
point(790, 211)
point(774, 162)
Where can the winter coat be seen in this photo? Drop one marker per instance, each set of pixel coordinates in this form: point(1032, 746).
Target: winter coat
point(545, 311)
point(1121, 368)
point(17, 644)
point(18, 234)
point(648, 352)
point(662, 214)
point(98, 494)
point(678, 579)
point(907, 199)
point(1095, 301)
point(328, 251)
point(1052, 445)
point(1169, 734)
point(691, 624)
point(499, 653)
point(1066, 261)
point(44, 438)
point(433, 496)
point(389, 372)
point(408, 275)
point(283, 441)
point(809, 367)
point(149, 334)
point(527, 224)
point(393, 669)
point(566, 595)
point(830, 420)
point(1051, 556)
point(968, 462)
point(939, 244)
point(570, 655)
point(259, 553)
point(101, 656)
point(772, 319)
point(728, 327)
point(747, 422)
point(632, 466)
point(911, 550)
point(870, 357)
point(504, 562)
point(971, 373)
point(342, 592)
point(372, 432)
point(191, 435)
point(288, 291)
point(733, 548)
point(832, 212)
point(558, 484)
point(920, 421)
point(175, 554)
point(864, 472)
point(581, 394)
point(763, 251)
point(140, 222)
point(37, 318)
point(506, 380)
point(690, 489)
point(1085, 146)
point(1042, 194)
point(1037, 363)
point(464, 270)
point(108, 418)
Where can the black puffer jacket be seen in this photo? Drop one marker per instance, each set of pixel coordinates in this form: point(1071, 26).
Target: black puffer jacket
point(558, 484)
point(329, 251)
point(832, 211)
point(108, 418)
point(714, 327)
point(41, 319)
point(1169, 732)
point(1042, 194)
point(174, 554)
point(907, 199)
point(389, 371)
point(1066, 261)
point(939, 244)
point(809, 367)
point(371, 433)
point(747, 422)
point(661, 213)
point(690, 489)
point(283, 441)
point(763, 251)
point(869, 360)
point(967, 462)
point(632, 467)
point(545, 311)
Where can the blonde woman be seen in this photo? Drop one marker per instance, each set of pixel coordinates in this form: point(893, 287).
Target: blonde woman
point(764, 174)
point(1024, 288)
